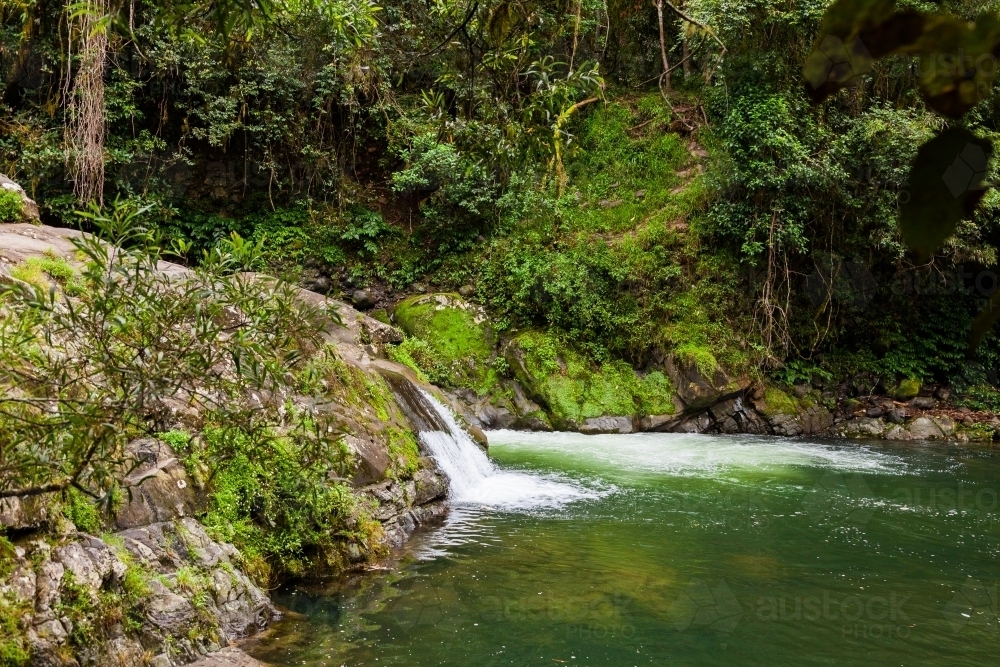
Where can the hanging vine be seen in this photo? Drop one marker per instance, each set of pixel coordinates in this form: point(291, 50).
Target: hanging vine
point(85, 126)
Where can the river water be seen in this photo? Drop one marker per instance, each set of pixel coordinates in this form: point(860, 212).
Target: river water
point(671, 549)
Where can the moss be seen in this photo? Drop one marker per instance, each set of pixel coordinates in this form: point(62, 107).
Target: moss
point(575, 387)
point(403, 451)
point(777, 402)
point(906, 389)
point(14, 648)
point(380, 315)
point(83, 512)
point(460, 344)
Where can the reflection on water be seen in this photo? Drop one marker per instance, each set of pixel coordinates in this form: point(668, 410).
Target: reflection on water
point(687, 550)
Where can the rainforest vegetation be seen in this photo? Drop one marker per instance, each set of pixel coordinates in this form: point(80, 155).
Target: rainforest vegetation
point(636, 179)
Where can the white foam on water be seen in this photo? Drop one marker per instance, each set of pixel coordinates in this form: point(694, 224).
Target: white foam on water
point(701, 455)
point(475, 480)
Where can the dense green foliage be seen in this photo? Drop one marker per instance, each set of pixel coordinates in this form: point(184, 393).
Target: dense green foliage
point(525, 151)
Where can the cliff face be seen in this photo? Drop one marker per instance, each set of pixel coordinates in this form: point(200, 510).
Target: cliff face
point(151, 577)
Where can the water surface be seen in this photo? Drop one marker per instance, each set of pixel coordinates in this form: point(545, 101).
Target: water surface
point(672, 549)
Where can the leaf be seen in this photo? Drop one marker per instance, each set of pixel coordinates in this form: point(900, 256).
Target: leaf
point(945, 184)
point(841, 54)
point(957, 61)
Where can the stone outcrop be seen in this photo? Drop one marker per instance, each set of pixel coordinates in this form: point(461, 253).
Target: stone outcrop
point(196, 597)
point(186, 588)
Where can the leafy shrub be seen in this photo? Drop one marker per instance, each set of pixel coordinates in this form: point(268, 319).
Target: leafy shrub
point(83, 375)
point(11, 206)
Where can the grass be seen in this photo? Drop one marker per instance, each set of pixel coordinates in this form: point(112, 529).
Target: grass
point(42, 272)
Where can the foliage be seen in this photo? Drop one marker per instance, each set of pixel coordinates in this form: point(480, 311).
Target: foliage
point(274, 498)
point(82, 375)
point(11, 206)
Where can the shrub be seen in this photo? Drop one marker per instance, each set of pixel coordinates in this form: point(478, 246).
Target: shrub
point(11, 206)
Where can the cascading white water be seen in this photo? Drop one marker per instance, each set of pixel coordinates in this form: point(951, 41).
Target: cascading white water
point(474, 479)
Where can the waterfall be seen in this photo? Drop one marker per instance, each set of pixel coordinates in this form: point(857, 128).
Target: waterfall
point(474, 479)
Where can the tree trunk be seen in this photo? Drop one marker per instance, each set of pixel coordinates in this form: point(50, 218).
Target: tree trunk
point(665, 77)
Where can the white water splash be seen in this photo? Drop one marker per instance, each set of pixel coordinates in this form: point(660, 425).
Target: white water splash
point(698, 455)
point(475, 480)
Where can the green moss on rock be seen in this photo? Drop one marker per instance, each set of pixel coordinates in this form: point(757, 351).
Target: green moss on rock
point(459, 344)
point(777, 402)
point(907, 389)
point(575, 388)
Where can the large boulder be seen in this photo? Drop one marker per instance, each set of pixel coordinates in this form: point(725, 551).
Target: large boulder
point(576, 390)
point(29, 209)
point(458, 343)
point(699, 384)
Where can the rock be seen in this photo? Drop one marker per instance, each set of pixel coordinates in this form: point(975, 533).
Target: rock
point(29, 512)
point(906, 390)
point(863, 427)
point(924, 428)
point(923, 403)
point(874, 412)
point(610, 203)
point(419, 288)
point(29, 211)
point(640, 194)
point(380, 333)
point(596, 425)
point(655, 422)
point(161, 489)
point(457, 332)
point(466, 291)
point(573, 388)
point(170, 613)
point(699, 423)
point(943, 393)
point(800, 390)
point(695, 388)
point(896, 415)
point(362, 299)
point(321, 285)
point(372, 459)
point(736, 416)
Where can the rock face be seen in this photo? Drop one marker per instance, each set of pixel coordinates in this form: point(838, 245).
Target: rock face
point(182, 585)
point(160, 487)
point(696, 388)
point(29, 212)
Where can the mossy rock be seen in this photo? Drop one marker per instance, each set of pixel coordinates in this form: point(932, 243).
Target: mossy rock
point(575, 388)
point(459, 345)
point(778, 402)
point(906, 389)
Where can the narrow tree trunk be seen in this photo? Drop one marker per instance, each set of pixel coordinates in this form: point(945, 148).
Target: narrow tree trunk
point(665, 77)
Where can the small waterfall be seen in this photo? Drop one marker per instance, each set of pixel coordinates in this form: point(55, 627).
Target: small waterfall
point(475, 480)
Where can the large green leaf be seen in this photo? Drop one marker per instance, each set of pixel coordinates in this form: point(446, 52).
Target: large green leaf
point(853, 35)
point(957, 57)
point(946, 182)
point(957, 61)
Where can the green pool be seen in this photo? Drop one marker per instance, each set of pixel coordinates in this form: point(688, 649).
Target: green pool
point(683, 550)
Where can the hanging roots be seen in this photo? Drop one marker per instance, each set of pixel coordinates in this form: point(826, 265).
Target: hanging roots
point(85, 105)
